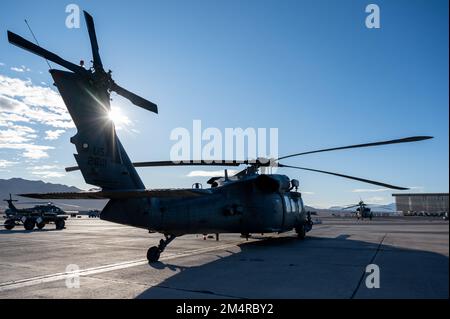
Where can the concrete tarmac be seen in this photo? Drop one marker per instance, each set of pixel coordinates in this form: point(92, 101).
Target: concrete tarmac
point(411, 253)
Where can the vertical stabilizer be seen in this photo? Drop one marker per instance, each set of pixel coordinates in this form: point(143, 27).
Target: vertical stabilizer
point(100, 155)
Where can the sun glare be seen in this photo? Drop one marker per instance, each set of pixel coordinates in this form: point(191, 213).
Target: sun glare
point(118, 117)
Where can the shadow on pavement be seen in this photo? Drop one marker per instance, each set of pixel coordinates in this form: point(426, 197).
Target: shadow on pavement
point(286, 267)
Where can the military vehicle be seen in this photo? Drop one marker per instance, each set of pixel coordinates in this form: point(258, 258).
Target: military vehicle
point(247, 202)
point(37, 216)
point(93, 213)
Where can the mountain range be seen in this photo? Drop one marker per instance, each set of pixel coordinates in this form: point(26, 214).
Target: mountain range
point(16, 186)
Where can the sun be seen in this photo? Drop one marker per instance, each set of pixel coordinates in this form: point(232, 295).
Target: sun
point(119, 119)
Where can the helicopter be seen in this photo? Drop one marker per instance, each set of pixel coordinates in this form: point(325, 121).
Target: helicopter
point(246, 202)
point(362, 211)
point(39, 215)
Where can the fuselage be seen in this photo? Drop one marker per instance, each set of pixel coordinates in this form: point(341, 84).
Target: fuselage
point(236, 207)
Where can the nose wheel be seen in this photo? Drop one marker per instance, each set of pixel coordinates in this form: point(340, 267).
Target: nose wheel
point(154, 252)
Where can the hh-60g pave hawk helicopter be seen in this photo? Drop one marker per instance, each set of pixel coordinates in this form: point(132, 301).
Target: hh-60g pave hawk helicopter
point(39, 215)
point(362, 211)
point(248, 202)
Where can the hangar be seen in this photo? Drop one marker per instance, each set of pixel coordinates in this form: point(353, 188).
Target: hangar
point(422, 203)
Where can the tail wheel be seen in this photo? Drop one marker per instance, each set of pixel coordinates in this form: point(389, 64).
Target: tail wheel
point(9, 224)
point(60, 223)
point(29, 223)
point(301, 232)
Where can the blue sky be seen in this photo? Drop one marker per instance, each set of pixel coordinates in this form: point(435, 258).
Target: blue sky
point(309, 68)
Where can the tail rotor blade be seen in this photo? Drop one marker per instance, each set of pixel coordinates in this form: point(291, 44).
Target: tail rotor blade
point(93, 38)
point(33, 48)
point(135, 99)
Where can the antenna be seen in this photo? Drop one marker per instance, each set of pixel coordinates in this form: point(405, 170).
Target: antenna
point(37, 42)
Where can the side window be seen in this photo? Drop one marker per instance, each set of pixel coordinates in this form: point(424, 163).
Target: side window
point(288, 204)
point(300, 206)
point(294, 205)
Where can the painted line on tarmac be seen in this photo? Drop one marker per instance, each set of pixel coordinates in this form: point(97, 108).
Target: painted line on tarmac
point(97, 270)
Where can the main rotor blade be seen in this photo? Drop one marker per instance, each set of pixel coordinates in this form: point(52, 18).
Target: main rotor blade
point(93, 38)
point(187, 163)
point(171, 163)
point(135, 99)
point(33, 48)
point(401, 140)
point(68, 205)
point(346, 176)
point(30, 203)
point(350, 207)
point(47, 203)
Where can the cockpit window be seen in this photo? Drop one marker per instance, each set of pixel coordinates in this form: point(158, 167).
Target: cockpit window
point(292, 205)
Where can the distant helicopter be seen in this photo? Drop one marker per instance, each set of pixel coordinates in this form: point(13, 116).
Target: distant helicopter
point(39, 215)
point(362, 211)
point(247, 202)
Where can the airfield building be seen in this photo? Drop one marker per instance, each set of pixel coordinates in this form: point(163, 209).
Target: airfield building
point(422, 203)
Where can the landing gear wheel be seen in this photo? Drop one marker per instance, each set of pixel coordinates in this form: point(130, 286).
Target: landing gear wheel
point(40, 225)
point(60, 223)
point(301, 232)
point(9, 224)
point(153, 254)
point(29, 224)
